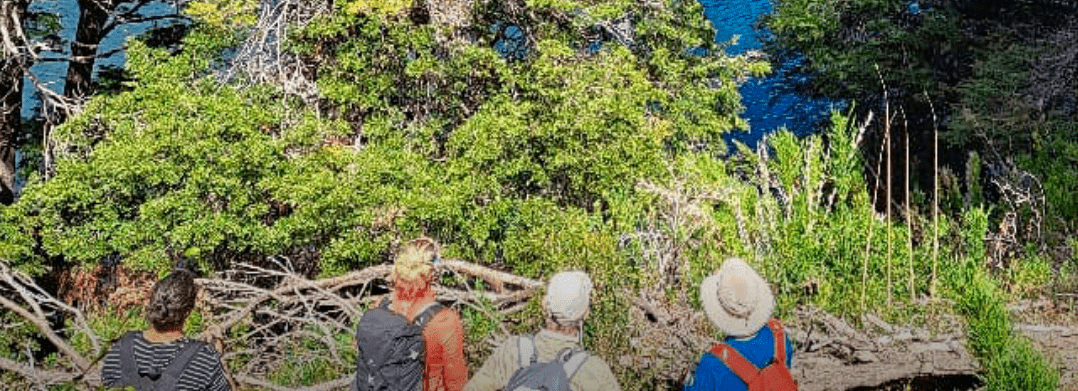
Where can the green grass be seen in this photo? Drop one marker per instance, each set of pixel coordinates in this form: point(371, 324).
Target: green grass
point(1010, 362)
point(309, 362)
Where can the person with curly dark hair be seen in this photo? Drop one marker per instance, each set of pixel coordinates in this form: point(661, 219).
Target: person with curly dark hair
point(161, 357)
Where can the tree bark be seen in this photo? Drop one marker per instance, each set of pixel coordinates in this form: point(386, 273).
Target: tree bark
point(92, 18)
point(11, 75)
point(10, 109)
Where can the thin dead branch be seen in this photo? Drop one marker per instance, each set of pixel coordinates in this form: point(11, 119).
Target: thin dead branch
point(263, 58)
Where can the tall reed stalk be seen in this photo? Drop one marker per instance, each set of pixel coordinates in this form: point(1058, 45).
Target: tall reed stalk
point(871, 230)
point(887, 202)
point(909, 215)
point(872, 207)
point(935, 197)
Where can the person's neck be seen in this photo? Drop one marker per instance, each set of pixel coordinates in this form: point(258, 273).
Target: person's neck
point(557, 328)
point(411, 304)
point(745, 338)
point(423, 296)
point(155, 335)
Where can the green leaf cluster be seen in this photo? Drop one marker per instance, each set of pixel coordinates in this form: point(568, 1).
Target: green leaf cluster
point(845, 40)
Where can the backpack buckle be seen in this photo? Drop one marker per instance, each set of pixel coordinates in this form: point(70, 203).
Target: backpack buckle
point(153, 374)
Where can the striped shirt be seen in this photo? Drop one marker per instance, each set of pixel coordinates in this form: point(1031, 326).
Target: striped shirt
point(203, 373)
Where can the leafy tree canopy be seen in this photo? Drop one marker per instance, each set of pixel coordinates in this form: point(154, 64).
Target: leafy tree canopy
point(421, 127)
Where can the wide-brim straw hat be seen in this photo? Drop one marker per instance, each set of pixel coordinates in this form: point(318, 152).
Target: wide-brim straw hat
point(736, 299)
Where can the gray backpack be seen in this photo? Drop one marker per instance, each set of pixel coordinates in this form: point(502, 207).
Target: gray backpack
point(153, 378)
point(391, 350)
point(544, 376)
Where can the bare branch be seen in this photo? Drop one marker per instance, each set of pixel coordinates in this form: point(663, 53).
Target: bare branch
point(43, 326)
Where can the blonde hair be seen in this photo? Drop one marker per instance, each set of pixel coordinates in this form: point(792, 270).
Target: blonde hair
point(414, 263)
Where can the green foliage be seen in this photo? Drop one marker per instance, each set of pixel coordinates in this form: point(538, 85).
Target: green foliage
point(480, 323)
point(1010, 361)
point(1053, 160)
point(974, 231)
point(109, 327)
point(803, 216)
point(182, 172)
point(990, 107)
point(843, 40)
point(308, 362)
point(1028, 277)
point(377, 6)
point(993, 112)
point(40, 25)
point(16, 342)
point(1021, 367)
point(224, 14)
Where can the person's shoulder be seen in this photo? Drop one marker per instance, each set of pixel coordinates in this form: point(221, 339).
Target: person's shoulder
point(710, 363)
point(446, 315)
point(507, 349)
point(710, 373)
point(204, 348)
point(133, 335)
point(596, 374)
point(444, 324)
point(596, 363)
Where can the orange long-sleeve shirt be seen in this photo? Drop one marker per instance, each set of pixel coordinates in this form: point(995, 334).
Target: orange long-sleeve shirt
point(445, 368)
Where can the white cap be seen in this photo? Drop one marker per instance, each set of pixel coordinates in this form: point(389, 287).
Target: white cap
point(568, 295)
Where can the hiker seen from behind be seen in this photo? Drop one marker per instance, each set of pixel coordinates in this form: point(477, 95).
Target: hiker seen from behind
point(161, 357)
point(756, 355)
point(410, 342)
point(553, 359)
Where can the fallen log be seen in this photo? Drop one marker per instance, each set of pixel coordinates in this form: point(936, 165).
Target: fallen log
point(831, 354)
point(825, 370)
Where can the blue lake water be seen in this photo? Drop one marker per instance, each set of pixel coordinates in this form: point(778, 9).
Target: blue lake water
point(770, 102)
point(52, 73)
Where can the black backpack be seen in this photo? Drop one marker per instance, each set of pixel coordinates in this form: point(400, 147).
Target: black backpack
point(154, 378)
point(391, 350)
point(544, 376)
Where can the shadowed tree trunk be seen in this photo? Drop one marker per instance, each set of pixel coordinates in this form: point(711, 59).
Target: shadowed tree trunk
point(10, 108)
point(92, 18)
point(11, 75)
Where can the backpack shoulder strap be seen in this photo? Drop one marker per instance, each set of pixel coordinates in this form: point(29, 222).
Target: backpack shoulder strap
point(736, 362)
point(179, 364)
point(427, 313)
point(575, 361)
point(780, 340)
point(526, 350)
point(128, 365)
